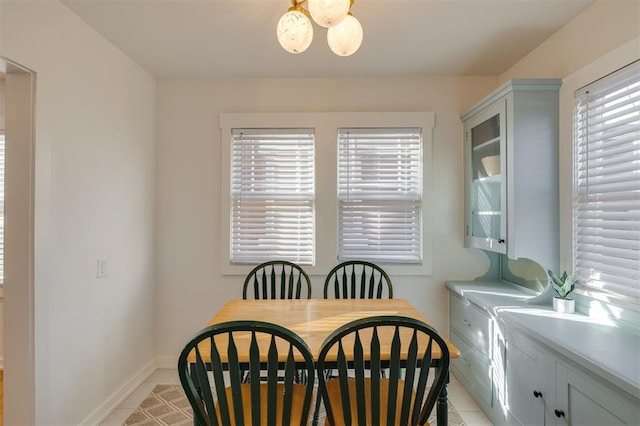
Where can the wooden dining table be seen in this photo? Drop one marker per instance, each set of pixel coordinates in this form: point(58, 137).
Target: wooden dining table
point(314, 319)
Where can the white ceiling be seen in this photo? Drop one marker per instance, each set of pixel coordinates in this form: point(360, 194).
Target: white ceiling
point(203, 38)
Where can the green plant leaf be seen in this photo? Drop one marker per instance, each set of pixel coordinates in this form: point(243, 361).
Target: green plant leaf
point(564, 284)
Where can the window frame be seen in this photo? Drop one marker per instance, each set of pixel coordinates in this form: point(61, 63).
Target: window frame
point(326, 214)
point(597, 291)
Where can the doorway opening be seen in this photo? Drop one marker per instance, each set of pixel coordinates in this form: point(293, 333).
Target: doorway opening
point(18, 325)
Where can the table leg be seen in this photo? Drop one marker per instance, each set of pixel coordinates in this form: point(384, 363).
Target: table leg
point(442, 408)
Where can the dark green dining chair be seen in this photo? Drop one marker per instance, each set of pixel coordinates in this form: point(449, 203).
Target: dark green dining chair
point(210, 372)
point(277, 279)
point(357, 279)
point(359, 351)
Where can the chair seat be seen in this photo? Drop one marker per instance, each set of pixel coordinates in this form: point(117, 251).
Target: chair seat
point(296, 406)
point(333, 388)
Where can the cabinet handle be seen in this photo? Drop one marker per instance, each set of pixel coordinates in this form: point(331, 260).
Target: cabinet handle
point(501, 241)
point(559, 413)
point(467, 323)
point(537, 394)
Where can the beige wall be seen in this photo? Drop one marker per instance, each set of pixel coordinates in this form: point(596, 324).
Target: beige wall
point(191, 287)
point(94, 180)
point(602, 39)
point(595, 32)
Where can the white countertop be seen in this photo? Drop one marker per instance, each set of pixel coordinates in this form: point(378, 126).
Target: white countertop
point(599, 345)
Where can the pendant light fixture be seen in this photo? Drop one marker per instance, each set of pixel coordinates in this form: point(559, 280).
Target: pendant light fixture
point(295, 30)
point(345, 38)
point(328, 13)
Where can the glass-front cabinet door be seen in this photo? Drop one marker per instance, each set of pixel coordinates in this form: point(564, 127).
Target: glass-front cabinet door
point(485, 156)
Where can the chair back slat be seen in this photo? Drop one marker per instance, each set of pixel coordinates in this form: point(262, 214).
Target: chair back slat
point(376, 371)
point(234, 365)
point(357, 279)
point(204, 382)
point(283, 282)
point(380, 287)
point(272, 284)
point(352, 280)
point(290, 286)
point(371, 287)
point(440, 377)
point(394, 376)
point(360, 394)
point(344, 385)
point(345, 293)
point(252, 346)
point(363, 285)
point(254, 370)
point(265, 285)
point(359, 367)
point(277, 279)
point(412, 355)
point(289, 376)
point(272, 381)
point(425, 364)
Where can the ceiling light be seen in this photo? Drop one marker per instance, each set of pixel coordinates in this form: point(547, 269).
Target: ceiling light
point(328, 13)
point(346, 37)
point(295, 30)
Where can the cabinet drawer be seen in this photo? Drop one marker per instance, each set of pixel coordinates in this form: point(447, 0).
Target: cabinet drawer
point(471, 322)
point(474, 368)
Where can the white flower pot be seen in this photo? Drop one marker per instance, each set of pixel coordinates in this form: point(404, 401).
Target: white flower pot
point(565, 306)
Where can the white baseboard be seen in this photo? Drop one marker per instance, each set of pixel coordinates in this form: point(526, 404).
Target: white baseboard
point(112, 402)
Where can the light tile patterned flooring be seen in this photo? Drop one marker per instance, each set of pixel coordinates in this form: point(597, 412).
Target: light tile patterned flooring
point(465, 405)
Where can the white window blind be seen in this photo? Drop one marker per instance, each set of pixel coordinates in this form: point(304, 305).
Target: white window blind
point(380, 194)
point(272, 195)
point(607, 183)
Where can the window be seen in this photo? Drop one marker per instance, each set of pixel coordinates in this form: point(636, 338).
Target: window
point(280, 198)
point(272, 193)
point(607, 183)
point(380, 194)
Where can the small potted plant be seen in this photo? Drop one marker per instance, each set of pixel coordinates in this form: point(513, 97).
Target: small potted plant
point(563, 285)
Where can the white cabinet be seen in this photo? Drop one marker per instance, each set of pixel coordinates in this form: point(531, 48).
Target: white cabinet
point(511, 171)
point(527, 365)
point(584, 400)
point(472, 332)
point(530, 381)
point(485, 140)
point(546, 389)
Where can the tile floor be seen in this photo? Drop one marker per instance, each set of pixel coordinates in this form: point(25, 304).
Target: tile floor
point(467, 408)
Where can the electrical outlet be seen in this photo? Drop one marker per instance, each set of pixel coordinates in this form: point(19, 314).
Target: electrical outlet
point(101, 268)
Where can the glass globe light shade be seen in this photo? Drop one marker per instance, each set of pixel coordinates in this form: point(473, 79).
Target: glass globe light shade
point(328, 13)
point(295, 31)
point(345, 38)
